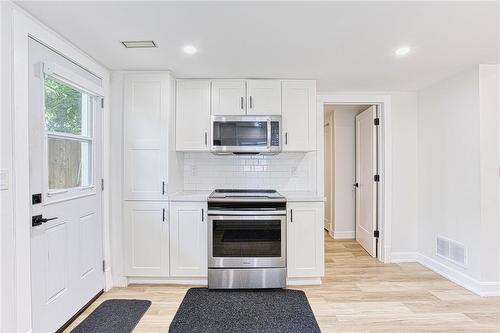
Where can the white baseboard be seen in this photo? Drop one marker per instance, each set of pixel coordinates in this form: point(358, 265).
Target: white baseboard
point(398, 257)
point(344, 234)
point(303, 281)
point(480, 288)
point(201, 281)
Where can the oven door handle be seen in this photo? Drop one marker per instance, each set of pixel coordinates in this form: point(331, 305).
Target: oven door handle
point(246, 213)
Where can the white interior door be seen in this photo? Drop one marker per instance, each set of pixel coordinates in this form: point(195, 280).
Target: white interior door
point(65, 171)
point(366, 190)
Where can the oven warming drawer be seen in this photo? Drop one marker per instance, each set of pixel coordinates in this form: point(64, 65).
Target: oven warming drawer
point(246, 278)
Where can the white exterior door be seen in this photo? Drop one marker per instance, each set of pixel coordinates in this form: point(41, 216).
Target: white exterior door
point(188, 239)
point(228, 97)
point(366, 189)
point(145, 139)
point(65, 173)
point(299, 115)
point(305, 239)
point(192, 115)
point(264, 97)
point(146, 238)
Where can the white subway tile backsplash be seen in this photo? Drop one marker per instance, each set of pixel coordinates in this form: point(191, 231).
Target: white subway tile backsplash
point(285, 171)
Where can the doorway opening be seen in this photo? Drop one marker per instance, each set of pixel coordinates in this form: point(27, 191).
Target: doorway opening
point(352, 173)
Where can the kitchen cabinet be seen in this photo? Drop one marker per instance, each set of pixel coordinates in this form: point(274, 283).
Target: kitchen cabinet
point(305, 240)
point(264, 97)
point(146, 238)
point(188, 239)
point(228, 97)
point(299, 115)
point(192, 115)
point(146, 106)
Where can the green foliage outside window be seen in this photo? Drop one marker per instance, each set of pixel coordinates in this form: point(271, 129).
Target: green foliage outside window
point(63, 107)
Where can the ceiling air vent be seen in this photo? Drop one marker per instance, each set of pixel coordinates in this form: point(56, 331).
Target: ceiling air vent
point(139, 44)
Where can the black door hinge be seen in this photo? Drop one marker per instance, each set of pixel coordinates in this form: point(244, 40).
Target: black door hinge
point(376, 121)
point(376, 233)
point(376, 178)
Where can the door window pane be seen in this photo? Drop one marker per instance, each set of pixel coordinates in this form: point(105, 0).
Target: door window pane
point(67, 110)
point(69, 163)
point(246, 238)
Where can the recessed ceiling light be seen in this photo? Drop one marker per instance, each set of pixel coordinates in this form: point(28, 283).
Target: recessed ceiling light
point(402, 50)
point(190, 49)
point(138, 44)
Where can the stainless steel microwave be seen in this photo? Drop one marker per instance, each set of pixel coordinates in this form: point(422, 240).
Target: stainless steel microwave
point(246, 134)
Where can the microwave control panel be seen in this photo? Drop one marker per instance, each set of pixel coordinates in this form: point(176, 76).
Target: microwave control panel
point(275, 133)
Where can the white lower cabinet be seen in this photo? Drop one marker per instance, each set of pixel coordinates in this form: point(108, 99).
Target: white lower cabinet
point(146, 230)
point(188, 239)
point(305, 242)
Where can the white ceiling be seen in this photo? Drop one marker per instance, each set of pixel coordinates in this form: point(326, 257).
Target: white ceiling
point(344, 45)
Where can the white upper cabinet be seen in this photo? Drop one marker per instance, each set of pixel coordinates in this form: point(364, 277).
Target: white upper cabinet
point(264, 97)
point(305, 239)
point(228, 97)
point(299, 115)
point(188, 239)
point(145, 141)
point(192, 115)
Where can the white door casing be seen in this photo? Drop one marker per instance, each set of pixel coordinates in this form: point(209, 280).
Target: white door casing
point(366, 190)
point(228, 97)
point(66, 251)
point(264, 97)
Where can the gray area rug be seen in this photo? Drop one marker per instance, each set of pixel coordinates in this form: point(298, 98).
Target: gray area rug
point(264, 310)
point(114, 316)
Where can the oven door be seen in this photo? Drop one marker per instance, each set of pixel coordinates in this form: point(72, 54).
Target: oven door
point(246, 241)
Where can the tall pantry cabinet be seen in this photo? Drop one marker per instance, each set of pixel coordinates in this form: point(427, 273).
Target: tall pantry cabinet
point(148, 168)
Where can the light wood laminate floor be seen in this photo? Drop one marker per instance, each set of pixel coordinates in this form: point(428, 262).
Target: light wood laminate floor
point(358, 294)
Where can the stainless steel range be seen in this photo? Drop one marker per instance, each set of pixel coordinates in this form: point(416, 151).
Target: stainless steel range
point(246, 239)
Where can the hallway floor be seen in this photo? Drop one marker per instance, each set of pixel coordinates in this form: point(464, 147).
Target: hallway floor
point(358, 294)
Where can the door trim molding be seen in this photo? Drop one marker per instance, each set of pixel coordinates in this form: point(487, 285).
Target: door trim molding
point(23, 27)
point(385, 158)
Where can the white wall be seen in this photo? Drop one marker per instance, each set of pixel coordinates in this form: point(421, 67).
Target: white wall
point(458, 161)
point(344, 172)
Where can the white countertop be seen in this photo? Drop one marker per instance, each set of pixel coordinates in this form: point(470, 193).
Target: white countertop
point(189, 196)
point(292, 196)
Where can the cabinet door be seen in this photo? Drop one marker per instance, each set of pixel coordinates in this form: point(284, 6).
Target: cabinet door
point(228, 97)
point(264, 97)
point(188, 239)
point(305, 239)
point(146, 239)
point(299, 115)
point(145, 140)
point(192, 115)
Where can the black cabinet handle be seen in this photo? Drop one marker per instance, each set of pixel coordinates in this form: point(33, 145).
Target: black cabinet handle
point(202, 215)
point(39, 219)
point(291, 215)
point(163, 216)
point(163, 188)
